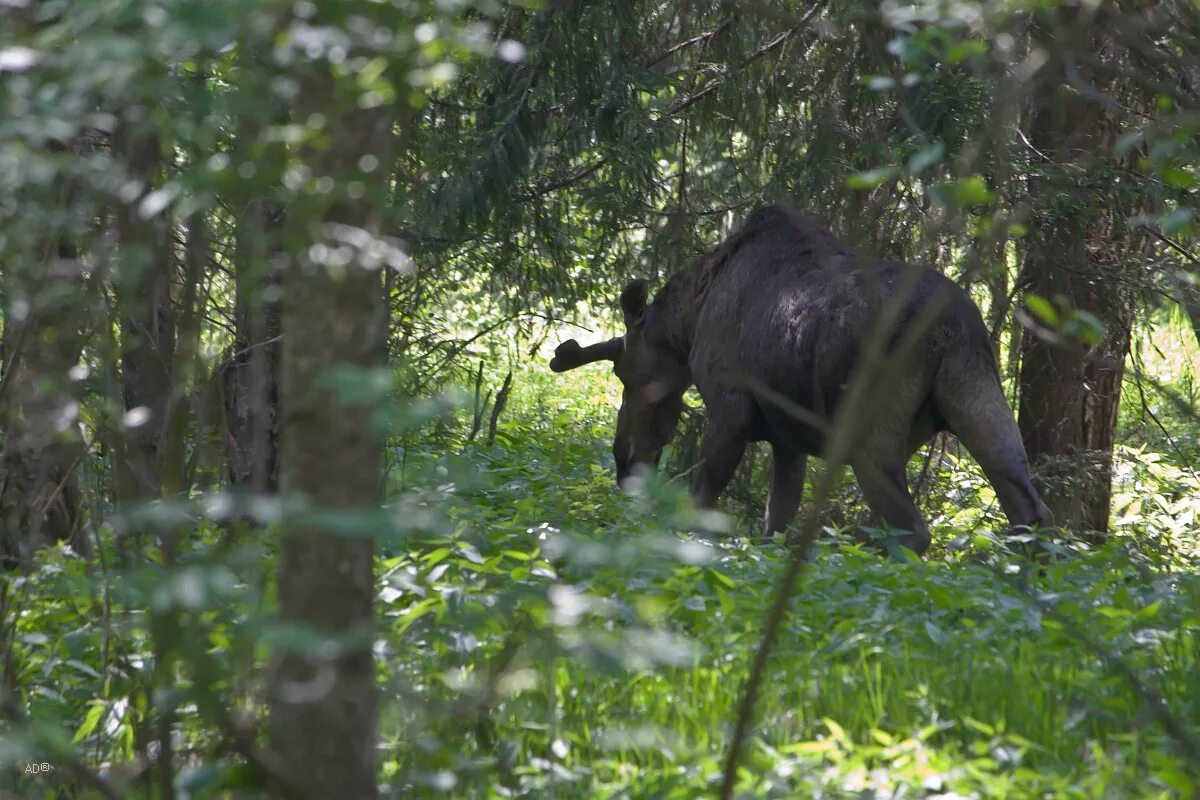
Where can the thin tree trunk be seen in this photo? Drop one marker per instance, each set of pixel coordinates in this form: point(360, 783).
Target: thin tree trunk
point(1051, 382)
point(1111, 299)
point(252, 376)
point(184, 367)
point(1189, 297)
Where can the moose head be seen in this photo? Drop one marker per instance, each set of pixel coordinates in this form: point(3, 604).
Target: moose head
point(653, 375)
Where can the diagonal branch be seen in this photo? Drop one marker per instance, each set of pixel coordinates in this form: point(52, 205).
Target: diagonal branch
point(702, 37)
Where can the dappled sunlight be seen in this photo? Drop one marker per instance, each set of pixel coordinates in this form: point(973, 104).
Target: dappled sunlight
point(599, 400)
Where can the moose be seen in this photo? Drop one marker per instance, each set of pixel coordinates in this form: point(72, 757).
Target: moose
point(770, 326)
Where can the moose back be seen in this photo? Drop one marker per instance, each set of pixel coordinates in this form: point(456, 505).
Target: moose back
point(770, 326)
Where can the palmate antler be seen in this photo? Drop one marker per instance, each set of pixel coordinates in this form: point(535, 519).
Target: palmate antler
point(570, 354)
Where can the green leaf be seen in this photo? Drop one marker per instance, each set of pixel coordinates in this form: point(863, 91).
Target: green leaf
point(517, 554)
point(1176, 221)
point(940, 596)
point(1176, 778)
point(415, 612)
point(1087, 327)
point(926, 157)
point(1128, 141)
point(871, 178)
point(964, 50)
point(1042, 309)
point(722, 578)
point(971, 191)
point(982, 727)
point(437, 555)
point(90, 721)
point(1150, 610)
point(1178, 177)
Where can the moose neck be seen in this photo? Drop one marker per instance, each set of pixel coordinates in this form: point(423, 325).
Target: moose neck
point(678, 307)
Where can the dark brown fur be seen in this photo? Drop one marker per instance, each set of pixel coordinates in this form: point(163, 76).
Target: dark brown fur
point(770, 326)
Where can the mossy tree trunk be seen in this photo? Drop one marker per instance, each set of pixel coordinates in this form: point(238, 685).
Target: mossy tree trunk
point(323, 699)
point(1071, 369)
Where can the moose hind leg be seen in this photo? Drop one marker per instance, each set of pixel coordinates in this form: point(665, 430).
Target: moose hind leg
point(885, 489)
point(978, 414)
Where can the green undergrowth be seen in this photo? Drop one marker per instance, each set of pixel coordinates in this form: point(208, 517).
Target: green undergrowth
point(573, 642)
point(542, 635)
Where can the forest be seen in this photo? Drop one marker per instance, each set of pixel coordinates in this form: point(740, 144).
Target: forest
point(414, 398)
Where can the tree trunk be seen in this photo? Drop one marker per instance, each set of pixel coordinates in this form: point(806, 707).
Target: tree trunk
point(1189, 296)
point(323, 701)
point(1051, 378)
point(251, 377)
point(45, 319)
point(1112, 300)
point(1070, 393)
point(147, 319)
point(39, 489)
point(147, 323)
point(181, 419)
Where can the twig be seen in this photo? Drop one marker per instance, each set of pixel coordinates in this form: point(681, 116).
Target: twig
point(498, 407)
point(701, 37)
point(1031, 145)
point(478, 408)
point(1171, 243)
point(458, 346)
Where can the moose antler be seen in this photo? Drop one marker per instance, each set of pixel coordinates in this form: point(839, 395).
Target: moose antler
point(570, 355)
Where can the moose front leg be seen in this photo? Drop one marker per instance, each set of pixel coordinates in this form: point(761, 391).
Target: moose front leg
point(787, 488)
point(722, 448)
point(885, 488)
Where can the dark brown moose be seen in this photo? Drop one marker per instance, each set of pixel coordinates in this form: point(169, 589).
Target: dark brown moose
point(770, 326)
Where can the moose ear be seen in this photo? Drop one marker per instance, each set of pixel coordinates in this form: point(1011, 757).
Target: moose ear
point(633, 302)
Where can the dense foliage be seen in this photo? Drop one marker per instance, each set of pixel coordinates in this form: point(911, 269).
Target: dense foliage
point(538, 633)
point(279, 281)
